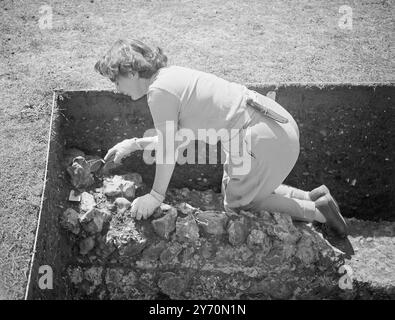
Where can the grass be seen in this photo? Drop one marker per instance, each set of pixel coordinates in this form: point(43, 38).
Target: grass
point(242, 41)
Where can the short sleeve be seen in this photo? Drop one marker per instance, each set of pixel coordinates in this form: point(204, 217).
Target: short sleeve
point(164, 106)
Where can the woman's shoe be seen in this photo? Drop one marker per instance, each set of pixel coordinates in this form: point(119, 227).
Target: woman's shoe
point(319, 192)
point(327, 206)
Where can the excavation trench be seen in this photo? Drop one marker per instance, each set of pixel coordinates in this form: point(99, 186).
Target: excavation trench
point(191, 248)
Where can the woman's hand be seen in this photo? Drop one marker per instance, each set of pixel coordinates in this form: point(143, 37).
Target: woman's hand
point(122, 150)
point(164, 107)
point(144, 207)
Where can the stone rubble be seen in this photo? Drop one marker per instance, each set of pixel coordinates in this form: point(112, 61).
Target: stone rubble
point(87, 201)
point(186, 251)
point(70, 154)
point(80, 173)
point(166, 224)
point(187, 228)
point(70, 221)
point(122, 204)
point(93, 220)
point(86, 245)
point(119, 186)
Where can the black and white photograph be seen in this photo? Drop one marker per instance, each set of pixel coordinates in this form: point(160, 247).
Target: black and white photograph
point(219, 152)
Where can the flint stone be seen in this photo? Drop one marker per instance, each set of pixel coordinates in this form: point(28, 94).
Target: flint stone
point(187, 228)
point(237, 231)
point(161, 210)
point(103, 248)
point(207, 250)
point(262, 255)
point(186, 208)
point(74, 196)
point(117, 186)
point(166, 224)
point(258, 240)
point(170, 253)
point(118, 279)
point(129, 190)
point(70, 154)
point(172, 284)
point(80, 173)
point(305, 250)
point(95, 163)
point(86, 245)
point(187, 254)
point(70, 221)
point(284, 229)
point(76, 275)
point(94, 276)
point(87, 201)
point(128, 239)
point(92, 221)
point(122, 204)
point(212, 222)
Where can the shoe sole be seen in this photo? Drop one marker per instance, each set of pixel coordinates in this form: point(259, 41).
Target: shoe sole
point(318, 192)
point(337, 222)
point(324, 191)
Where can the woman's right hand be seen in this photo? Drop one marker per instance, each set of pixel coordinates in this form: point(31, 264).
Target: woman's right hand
point(122, 150)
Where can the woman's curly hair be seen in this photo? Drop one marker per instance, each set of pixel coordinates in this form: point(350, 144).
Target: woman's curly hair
point(126, 57)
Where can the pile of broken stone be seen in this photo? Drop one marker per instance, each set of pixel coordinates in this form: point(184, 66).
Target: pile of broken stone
point(183, 251)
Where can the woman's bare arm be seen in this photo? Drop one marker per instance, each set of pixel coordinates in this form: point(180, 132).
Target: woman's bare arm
point(164, 108)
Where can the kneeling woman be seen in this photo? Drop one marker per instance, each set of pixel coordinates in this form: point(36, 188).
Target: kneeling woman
point(194, 100)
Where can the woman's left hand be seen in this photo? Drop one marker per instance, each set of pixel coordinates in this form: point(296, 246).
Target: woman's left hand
point(144, 207)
